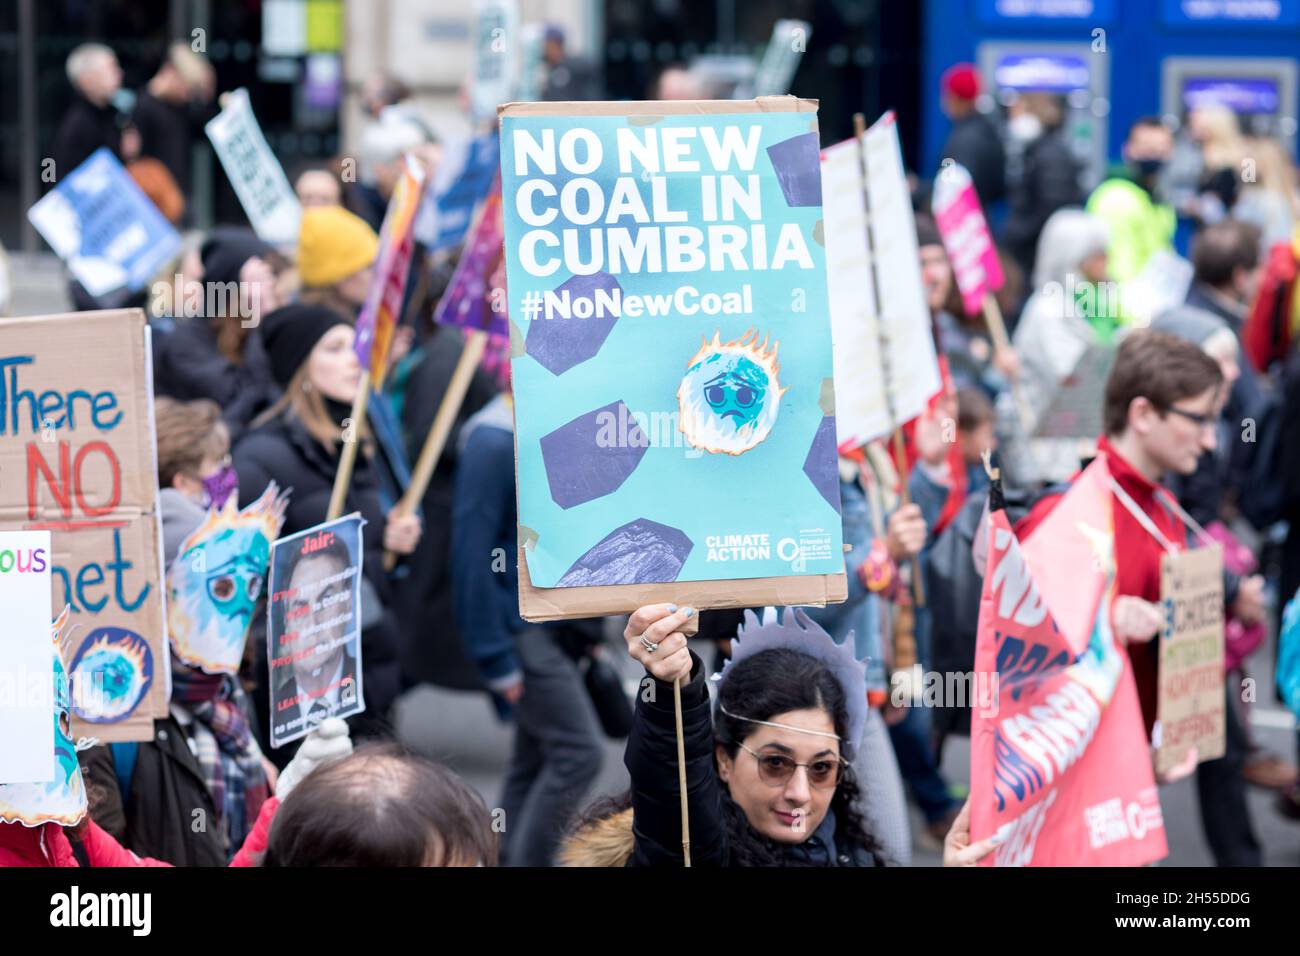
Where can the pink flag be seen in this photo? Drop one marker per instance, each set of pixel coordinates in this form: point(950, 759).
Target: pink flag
point(1062, 768)
point(957, 213)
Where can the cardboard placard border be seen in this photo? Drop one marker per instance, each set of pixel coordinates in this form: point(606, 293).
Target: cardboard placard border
point(558, 604)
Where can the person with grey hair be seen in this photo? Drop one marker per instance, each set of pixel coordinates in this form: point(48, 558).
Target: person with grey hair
point(92, 120)
point(1068, 313)
point(384, 146)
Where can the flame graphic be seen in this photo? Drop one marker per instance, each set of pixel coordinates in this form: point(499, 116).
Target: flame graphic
point(266, 513)
point(747, 346)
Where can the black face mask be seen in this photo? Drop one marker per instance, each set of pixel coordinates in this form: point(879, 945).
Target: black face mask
point(1148, 168)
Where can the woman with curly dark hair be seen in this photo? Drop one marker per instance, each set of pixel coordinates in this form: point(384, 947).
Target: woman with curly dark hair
point(768, 776)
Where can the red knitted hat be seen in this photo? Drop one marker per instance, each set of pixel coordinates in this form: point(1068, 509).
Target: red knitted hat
point(961, 80)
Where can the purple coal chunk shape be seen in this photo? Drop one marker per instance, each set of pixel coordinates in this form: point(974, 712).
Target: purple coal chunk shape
point(640, 552)
point(559, 343)
point(822, 466)
point(797, 162)
point(582, 463)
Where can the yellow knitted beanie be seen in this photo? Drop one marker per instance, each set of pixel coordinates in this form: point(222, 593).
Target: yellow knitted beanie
point(333, 244)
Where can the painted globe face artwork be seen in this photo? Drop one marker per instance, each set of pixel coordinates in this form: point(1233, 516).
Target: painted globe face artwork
point(63, 799)
point(214, 584)
point(112, 672)
point(729, 398)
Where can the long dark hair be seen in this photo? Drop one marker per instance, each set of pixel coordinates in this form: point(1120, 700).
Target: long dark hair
point(772, 682)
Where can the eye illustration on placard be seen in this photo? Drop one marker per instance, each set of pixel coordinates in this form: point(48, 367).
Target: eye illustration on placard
point(112, 672)
point(728, 400)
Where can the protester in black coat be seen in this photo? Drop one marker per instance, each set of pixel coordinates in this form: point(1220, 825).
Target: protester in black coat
point(171, 110)
point(216, 353)
point(92, 119)
point(436, 655)
point(973, 141)
point(1048, 180)
point(777, 705)
point(297, 443)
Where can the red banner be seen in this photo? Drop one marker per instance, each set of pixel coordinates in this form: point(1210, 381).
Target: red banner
point(1062, 768)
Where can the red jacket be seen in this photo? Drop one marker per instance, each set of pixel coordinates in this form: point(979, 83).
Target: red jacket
point(48, 845)
point(1137, 558)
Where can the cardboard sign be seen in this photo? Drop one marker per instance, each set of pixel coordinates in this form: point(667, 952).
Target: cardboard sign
point(107, 231)
point(314, 625)
point(26, 659)
point(468, 299)
point(1190, 700)
point(886, 370)
point(383, 306)
point(254, 172)
point(674, 400)
point(496, 56)
point(77, 458)
point(1060, 766)
point(957, 213)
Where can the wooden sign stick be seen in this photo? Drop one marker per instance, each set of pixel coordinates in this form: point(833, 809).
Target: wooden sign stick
point(343, 477)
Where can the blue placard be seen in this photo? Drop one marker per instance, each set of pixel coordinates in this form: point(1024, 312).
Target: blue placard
point(1222, 13)
point(446, 213)
point(1094, 12)
point(673, 399)
point(104, 227)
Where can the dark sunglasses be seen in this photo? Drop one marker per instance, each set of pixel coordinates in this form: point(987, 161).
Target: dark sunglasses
point(775, 770)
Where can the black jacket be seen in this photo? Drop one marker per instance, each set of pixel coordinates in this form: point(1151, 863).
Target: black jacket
point(1048, 181)
point(283, 451)
point(188, 365)
point(975, 144)
point(84, 129)
point(157, 816)
point(651, 760)
point(431, 646)
point(167, 133)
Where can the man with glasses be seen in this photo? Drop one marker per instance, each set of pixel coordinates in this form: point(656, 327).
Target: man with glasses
point(1162, 404)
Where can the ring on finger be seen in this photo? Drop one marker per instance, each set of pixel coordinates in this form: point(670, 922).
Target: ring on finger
point(650, 646)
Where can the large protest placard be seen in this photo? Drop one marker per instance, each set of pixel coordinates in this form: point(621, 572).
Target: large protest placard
point(77, 458)
point(975, 264)
point(1060, 768)
point(108, 232)
point(1190, 701)
point(674, 400)
point(886, 370)
point(254, 172)
point(26, 658)
point(314, 620)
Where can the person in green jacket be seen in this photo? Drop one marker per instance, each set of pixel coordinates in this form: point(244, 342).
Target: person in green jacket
point(1139, 226)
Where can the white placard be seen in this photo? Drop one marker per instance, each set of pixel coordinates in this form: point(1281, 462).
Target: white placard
point(26, 658)
point(254, 172)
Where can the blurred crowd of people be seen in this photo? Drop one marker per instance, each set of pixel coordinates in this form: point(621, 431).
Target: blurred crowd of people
point(260, 390)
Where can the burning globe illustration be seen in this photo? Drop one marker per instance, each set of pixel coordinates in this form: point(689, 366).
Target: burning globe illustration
point(728, 400)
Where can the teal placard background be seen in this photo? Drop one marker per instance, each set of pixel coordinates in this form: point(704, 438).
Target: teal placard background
point(642, 361)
